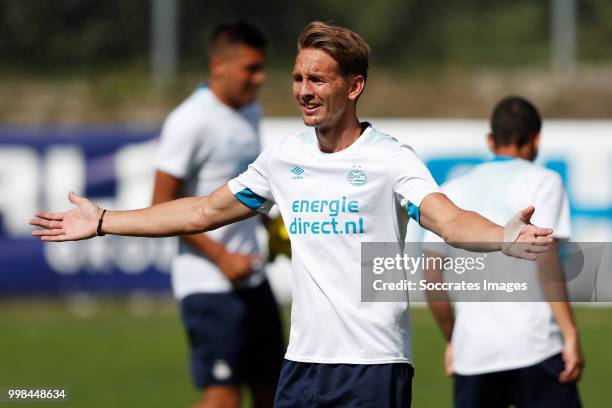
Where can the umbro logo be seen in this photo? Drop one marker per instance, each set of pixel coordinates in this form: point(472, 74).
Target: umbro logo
point(298, 171)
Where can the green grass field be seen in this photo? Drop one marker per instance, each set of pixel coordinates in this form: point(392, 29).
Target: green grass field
point(114, 358)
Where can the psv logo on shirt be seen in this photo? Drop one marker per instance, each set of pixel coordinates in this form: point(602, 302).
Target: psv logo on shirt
point(357, 176)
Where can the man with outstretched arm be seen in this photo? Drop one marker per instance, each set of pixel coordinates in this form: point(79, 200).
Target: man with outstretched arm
point(337, 185)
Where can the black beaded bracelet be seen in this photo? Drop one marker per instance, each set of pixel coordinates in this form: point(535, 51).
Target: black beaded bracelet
point(99, 230)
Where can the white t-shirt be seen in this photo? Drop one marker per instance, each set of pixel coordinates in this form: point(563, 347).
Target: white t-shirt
point(206, 143)
point(496, 336)
point(331, 203)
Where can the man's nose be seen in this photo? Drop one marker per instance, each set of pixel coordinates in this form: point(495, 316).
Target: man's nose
point(306, 90)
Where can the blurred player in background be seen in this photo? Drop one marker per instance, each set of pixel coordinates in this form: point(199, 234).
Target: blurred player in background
point(339, 184)
point(227, 307)
point(524, 354)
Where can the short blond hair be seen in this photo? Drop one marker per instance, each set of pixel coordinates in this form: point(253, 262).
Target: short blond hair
point(346, 47)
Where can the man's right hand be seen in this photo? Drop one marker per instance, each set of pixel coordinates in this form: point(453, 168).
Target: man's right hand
point(79, 223)
point(236, 266)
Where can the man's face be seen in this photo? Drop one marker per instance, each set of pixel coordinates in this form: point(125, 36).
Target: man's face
point(240, 72)
point(319, 87)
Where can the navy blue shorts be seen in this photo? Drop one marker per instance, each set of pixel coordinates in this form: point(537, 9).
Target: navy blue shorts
point(235, 337)
point(534, 386)
point(344, 385)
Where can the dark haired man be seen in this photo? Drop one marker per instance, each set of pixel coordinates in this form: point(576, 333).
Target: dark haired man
point(227, 307)
point(337, 185)
point(524, 354)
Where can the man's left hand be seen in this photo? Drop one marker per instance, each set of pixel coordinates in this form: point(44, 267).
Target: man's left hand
point(524, 240)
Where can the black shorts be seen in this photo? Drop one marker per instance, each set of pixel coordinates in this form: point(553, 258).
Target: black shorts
point(310, 385)
point(535, 386)
point(235, 337)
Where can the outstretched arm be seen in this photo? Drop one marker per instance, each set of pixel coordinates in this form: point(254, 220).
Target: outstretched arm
point(184, 216)
point(471, 231)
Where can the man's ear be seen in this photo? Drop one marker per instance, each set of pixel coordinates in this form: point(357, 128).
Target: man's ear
point(491, 142)
point(536, 141)
point(217, 66)
point(356, 88)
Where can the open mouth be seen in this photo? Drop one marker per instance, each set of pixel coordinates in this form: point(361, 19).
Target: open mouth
point(309, 108)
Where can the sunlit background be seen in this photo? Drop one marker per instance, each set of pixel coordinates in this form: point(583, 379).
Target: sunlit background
point(85, 86)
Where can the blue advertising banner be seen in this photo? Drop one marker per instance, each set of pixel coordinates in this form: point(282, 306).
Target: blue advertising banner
point(112, 166)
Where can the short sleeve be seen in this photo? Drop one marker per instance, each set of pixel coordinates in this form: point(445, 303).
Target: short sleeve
point(252, 188)
point(411, 180)
point(552, 206)
point(178, 145)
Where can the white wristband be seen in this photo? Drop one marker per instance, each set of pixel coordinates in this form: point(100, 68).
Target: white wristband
point(512, 229)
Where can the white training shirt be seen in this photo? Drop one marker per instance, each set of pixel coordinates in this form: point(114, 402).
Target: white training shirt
point(496, 336)
point(331, 203)
point(206, 143)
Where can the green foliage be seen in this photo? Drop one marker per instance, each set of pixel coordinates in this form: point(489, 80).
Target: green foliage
point(48, 33)
point(595, 31)
point(44, 35)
